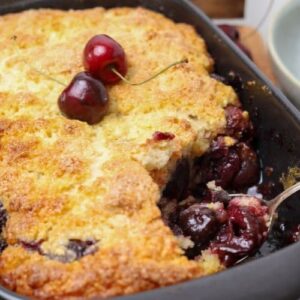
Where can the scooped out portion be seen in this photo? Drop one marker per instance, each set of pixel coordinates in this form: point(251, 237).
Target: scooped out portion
point(232, 228)
point(197, 207)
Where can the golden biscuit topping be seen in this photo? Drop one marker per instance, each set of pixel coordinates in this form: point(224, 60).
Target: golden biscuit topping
point(82, 200)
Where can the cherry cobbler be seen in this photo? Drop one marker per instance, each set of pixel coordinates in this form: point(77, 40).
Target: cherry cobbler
point(120, 150)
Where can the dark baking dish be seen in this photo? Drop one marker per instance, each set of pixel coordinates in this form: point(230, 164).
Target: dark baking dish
point(277, 123)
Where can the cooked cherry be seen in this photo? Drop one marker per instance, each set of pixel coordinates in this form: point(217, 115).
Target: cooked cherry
point(199, 223)
point(101, 54)
point(163, 136)
point(243, 234)
point(287, 233)
point(221, 165)
point(254, 205)
point(249, 171)
point(235, 80)
point(230, 31)
point(209, 196)
point(3, 244)
point(3, 220)
point(227, 169)
point(233, 33)
point(3, 217)
point(178, 185)
point(33, 245)
point(85, 99)
point(186, 203)
point(267, 189)
point(82, 248)
point(238, 126)
point(295, 234)
point(218, 148)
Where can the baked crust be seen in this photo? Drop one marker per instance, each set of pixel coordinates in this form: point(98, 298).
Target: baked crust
point(64, 180)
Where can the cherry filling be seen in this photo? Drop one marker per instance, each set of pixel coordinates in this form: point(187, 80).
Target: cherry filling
point(82, 248)
point(75, 249)
point(243, 232)
point(287, 233)
point(199, 223)
point(34, 246)
point(238, 125)
point(204, 212)
point(3, 220)
point(233, 167)
point(163, 136)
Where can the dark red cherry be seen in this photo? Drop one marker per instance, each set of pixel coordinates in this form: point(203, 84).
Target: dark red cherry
point(231, 31)
point(3, 217)
point(248, 174)
point(101, 54)
point(238, 126)
point(82, 248)
point(198, 222)
point(243, 234)
point(163, 136)
point(84, 99)
point(3, 220)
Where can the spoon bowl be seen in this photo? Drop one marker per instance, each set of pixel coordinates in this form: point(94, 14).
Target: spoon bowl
point(273, 206)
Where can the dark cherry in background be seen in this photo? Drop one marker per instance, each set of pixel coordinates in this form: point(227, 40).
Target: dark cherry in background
point(233, 33)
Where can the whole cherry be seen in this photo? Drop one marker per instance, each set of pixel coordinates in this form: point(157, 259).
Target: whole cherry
point(101, 55)
point(84, 99)
point(199, 223)
point(231, 31)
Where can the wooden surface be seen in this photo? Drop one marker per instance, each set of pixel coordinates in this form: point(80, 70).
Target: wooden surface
point(250, 38)
point(254, 42)
point(222, 8)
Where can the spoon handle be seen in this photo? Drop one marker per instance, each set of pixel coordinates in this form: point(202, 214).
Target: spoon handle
point(275, 203)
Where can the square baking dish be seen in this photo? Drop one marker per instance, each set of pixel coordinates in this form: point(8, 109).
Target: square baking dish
point(277, 123)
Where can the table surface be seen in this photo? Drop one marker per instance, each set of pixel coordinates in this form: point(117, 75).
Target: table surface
point(246, 12)
point(254, 42)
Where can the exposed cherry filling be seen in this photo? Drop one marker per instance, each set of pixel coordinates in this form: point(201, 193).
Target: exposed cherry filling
point(75, 249)
point(3, 220)
point(230, 228)
point(243, 232)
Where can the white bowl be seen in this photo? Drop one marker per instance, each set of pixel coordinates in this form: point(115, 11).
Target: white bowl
point(284, 47)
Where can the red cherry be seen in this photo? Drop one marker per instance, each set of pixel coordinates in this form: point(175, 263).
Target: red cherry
point(231, 31)
point(101, 54)
point(84, 99)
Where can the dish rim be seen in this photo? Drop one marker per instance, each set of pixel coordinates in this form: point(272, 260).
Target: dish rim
point(273, 49)
point(284, 102)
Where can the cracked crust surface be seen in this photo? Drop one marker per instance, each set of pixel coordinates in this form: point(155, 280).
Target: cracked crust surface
point(64, 180)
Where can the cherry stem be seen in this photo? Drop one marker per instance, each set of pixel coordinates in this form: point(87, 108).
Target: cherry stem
point(14, 38)
point(152, 77)
point(47, 76)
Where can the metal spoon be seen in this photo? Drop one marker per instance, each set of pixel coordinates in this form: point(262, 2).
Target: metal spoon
point(272, 206)
point(274, 203)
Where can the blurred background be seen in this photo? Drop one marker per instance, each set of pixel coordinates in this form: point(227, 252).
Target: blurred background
point(242, 12)
point(267, 31)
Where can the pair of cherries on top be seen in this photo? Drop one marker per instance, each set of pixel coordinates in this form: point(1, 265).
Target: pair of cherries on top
point(86, 98)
